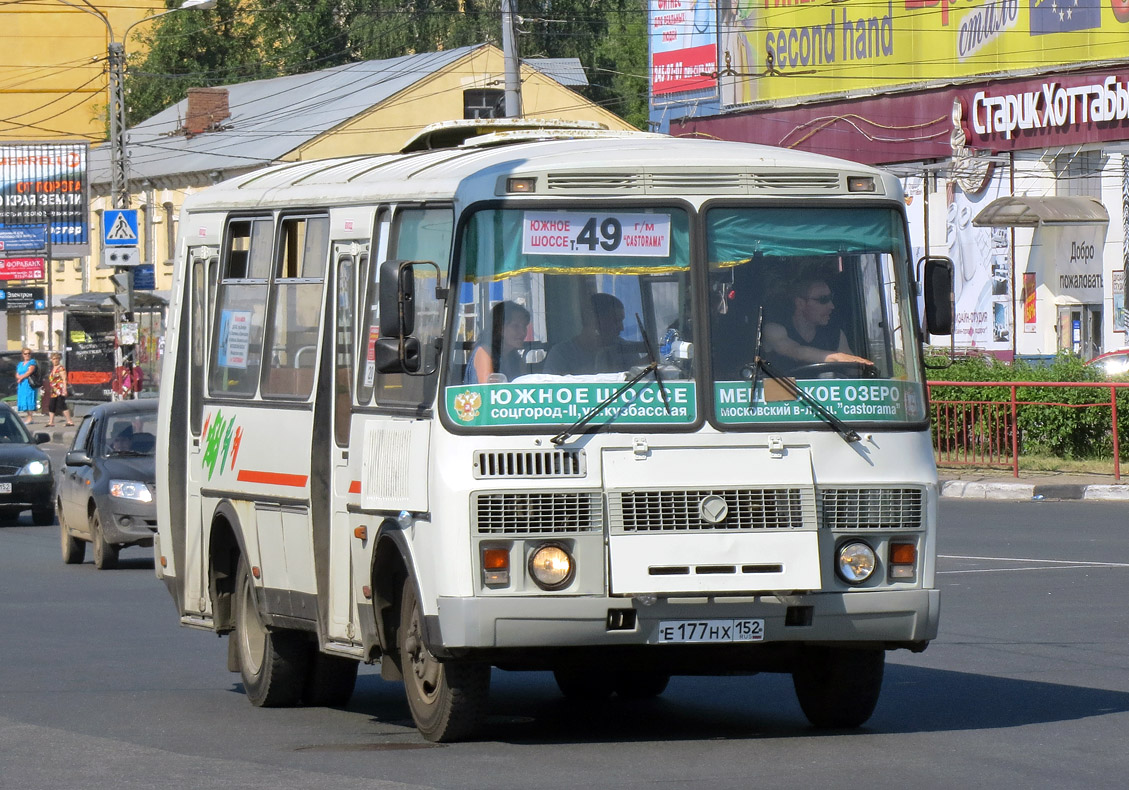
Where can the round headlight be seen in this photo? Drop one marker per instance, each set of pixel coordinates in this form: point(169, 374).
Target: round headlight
point(855, 562)
point(551, 567)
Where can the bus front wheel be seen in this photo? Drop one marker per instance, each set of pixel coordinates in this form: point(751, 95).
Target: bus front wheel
point(838, 688)
point(273, 664)
point(447, 698)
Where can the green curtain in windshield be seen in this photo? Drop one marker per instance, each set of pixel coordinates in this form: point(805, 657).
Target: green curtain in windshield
point(735, 235)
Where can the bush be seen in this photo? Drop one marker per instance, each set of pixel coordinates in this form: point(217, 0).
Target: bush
point(1064, 431)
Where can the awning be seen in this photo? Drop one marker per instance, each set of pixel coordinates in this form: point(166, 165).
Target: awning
point(1030, 212)
point(97, 302)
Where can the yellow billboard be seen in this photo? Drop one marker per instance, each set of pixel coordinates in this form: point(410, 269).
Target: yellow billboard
point(775, 50)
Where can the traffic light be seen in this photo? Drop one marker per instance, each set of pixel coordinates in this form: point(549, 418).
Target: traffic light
point(123, 290)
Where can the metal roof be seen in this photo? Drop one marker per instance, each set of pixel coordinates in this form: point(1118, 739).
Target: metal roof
point(1029, 212)
point(269, 118)
point(566, 71)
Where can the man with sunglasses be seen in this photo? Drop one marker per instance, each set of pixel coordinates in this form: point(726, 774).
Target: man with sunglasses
point(807, 337)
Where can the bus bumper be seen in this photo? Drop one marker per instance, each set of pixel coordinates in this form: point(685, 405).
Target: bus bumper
point(892, 618)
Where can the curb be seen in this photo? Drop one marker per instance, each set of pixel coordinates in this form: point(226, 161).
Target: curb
point(966, 489)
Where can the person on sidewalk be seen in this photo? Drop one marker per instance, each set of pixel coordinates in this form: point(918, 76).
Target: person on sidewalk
point(25, 392)
point(55, 402)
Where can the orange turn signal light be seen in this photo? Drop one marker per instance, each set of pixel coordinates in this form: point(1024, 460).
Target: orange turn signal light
point(361, 533)
point(496, 559)
point(903, 554)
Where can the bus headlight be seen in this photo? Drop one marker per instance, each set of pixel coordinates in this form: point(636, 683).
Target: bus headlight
point(551, 567)
point(855, 562)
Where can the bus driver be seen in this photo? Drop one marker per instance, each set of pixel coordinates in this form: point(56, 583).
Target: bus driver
point(807, 336)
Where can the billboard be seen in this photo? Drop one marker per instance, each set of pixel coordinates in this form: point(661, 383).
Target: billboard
point(783, 51)
point(683, 44)
point(45, 184)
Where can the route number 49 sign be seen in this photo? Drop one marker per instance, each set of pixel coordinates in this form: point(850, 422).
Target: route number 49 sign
point(603, 235)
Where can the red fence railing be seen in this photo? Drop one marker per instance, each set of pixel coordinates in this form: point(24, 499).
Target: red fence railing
point(986, 433)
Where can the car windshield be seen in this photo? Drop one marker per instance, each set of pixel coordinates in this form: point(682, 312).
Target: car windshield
point(12, 429)
point(823, 298)
point(130, 434)
point(556, 311)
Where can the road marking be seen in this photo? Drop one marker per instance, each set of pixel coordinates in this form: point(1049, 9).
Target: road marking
point(1041, 566)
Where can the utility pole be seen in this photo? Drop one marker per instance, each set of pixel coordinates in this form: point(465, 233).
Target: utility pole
point(513, 64)
point(119, 165)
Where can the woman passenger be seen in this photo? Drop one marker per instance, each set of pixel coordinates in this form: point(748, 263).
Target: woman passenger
point(509, 325)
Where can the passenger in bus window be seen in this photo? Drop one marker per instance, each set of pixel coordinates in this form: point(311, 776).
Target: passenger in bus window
point(807, 336)
point(598, 348)
point(500, 360)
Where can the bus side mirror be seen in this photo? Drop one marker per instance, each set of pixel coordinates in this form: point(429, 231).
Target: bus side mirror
point(398, 355)
point(938, 283)
point(397, 299)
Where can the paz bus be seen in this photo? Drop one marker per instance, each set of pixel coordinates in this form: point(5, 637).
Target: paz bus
point(517, 398)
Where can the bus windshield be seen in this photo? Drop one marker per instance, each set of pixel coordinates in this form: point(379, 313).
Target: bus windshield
point(557, 309)
point(824, 295)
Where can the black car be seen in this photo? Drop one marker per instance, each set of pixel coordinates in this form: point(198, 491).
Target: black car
point(26, 481)
point(106, 492)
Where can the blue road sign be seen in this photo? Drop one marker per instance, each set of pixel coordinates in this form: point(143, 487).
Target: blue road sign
point(119, 227)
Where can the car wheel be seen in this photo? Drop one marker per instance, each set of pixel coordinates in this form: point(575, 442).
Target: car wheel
point(273, 664)
point(105, 554)
point(74, 550)
point(447, 698)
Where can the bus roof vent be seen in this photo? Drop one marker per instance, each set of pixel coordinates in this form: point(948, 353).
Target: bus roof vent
point(587, 183)
point(529, 463)
point(796, 182)
point(679, 183)
point(449, 134)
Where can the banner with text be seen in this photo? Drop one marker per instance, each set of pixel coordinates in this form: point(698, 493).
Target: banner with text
point(558, 403)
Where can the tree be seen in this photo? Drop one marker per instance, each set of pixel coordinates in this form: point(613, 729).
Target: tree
point(236, 42)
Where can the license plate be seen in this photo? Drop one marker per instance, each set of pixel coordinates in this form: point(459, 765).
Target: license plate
point(5, 488)
point(742, 630)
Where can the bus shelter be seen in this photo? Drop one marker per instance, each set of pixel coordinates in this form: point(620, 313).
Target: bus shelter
point(91, 342)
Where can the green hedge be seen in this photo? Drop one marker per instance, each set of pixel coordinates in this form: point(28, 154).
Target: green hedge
point(1062, 432)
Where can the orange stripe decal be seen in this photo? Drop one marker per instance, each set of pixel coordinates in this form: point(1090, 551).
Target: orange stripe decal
point(272, 478)
point(355, 487)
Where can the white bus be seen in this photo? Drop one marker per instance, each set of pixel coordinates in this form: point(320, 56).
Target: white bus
point(616, 406)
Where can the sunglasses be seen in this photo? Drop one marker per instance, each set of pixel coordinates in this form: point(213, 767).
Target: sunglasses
point(825, 299)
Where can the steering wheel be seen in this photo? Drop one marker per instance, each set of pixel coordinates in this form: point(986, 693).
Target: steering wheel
point(836, 370)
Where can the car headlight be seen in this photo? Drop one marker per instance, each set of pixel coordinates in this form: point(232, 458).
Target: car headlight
point(551, 567)
point(855, 562)
point(131, 489)
point(35, 468)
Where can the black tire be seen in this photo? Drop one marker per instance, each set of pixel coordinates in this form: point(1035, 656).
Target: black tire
point(105, 554)
point(74, 550)
point(838, 688)
point(273, 664)
point(448, 699)
point(584, 684)
point(330, 681)
point(641, 684)
point(43, 516)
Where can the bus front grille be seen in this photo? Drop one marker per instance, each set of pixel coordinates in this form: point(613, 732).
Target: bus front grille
point(529, 463)
point(537, 513)
point(871, 508)
point(702, 510)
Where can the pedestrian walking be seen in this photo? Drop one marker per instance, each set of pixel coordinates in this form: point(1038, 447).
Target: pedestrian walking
point(27, 374)
point(55, 402)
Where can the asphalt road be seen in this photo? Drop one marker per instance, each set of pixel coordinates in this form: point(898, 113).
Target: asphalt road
point(1027, 686)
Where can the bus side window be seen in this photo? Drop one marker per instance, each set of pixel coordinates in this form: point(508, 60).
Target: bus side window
point(240, 312)
point(295, 307)
point(345, 341)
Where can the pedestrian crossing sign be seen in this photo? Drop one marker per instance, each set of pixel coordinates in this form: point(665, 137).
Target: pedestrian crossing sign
point(119, 227)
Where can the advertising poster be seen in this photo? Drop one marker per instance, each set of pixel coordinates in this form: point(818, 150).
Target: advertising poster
point(1029, 289)
point(781, 51)
point(982, 272)
point(683, 35)
point(45, 184)
point(1119, 322)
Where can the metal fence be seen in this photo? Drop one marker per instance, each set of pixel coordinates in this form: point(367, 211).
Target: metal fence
point(971, 432)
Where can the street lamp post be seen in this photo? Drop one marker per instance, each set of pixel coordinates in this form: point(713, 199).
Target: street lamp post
point(119, 167)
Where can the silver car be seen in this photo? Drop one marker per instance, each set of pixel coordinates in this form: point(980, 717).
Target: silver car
point(106, 491)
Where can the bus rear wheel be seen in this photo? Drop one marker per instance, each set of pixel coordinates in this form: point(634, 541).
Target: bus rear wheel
point(272, 664)
point(447, 698)
point(838, 688)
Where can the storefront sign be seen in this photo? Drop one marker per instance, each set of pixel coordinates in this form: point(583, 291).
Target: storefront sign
point(22, 268)
point(23, 238)
point(1070, 257)
point(22, 299)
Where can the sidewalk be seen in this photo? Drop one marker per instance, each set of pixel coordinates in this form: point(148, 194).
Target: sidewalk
point(1000, 484)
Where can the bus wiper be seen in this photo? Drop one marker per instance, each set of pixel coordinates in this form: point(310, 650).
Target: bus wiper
point(759, 363)
point(651, 367)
